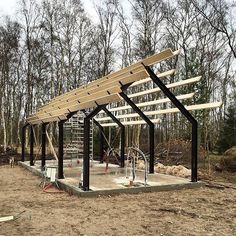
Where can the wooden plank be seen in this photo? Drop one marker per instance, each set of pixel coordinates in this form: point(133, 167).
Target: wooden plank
point(61, 114)
point(132, 122)
point(81, 99)
point(166, 111)
point(110, 99)
point(51, 146)
point(159, 57)
point(160, 75)
point(173, 85)
point(156, 58)
point(107, 85)
point(176, 84)
point(150, 103)
point(6, 218)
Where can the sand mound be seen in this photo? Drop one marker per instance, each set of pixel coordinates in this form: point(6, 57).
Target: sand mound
point(178, 170)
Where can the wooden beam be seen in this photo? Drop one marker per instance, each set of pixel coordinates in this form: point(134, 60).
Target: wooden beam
point(74, 106)
point(160, 75)
point(61, 114)
point(173, 85)
point(150, 103)
point(166, 111)
point(132, 122)
point(132, 77)
point(156, 58)
point(51, 146)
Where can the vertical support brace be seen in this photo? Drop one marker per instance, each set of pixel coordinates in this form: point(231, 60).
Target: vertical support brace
point(60, 150)
point(43, 157)
point(122, 136)
point(101, 139)
point(23, 132)
point(86, 158)
point(151, 130)
point(31, 145)
point(187, 114)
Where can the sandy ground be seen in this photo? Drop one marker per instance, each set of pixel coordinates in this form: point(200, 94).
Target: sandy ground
point(204, 211)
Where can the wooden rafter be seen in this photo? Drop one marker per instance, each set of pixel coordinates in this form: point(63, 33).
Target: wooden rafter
point(166, 111)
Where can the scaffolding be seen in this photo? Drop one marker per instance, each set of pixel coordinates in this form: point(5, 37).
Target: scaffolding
point(74, 137)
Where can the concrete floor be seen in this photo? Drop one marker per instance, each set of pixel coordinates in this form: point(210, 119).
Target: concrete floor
point(114, 180)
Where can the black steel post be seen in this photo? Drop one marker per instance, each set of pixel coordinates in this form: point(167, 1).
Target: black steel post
point(194, 161)
point(122, 136)
point(31, 145)
point(101, 140)
point(151, 130)
point(60, 150)
point(187, 114)
point(122, 147)
point(43, 157)
point(23, 142)
point(86, 158)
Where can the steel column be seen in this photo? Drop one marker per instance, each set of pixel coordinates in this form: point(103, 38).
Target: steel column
point(187, 114)
point(122, 136)
point(23, 142)
point(31, 145)
point(101, 139)
point(43, 157)
point(151, 130)
point(60, 150)
point(86, 158)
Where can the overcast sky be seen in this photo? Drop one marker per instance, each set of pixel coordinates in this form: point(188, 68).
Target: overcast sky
point(8, 7)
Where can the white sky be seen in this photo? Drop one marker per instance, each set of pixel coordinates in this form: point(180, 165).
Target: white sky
point(8, 7)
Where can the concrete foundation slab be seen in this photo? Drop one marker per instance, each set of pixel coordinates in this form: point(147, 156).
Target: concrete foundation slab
point(114, 180)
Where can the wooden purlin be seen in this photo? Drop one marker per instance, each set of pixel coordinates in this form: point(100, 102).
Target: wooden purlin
point(166, 111)
point(83, 98)
point(75, 107)
point(134, 68)
point(134, 122)
point(70, 106)
point(59, 107)
point(89, 104)
point(172, 85)
point(150, 103)
point(109, 87)
point(160, 75)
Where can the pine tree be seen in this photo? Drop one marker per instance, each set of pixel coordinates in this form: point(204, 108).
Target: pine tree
point(227, 137)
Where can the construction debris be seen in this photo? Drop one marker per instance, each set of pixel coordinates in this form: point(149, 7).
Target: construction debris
point(6, 218)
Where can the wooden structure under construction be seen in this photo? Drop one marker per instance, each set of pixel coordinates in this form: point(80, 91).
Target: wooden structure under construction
point(94, 99)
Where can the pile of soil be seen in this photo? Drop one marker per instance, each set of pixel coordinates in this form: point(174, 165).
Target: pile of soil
point(175, 170)
point(228, 161)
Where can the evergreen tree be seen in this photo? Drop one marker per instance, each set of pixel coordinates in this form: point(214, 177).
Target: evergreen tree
point(227, 137)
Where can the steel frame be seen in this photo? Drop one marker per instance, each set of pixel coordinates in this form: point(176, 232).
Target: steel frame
point(122, 135)
point(151, 130)
point(101, 139)
point(86, 158)
point(23, 131)
point(187, 114)
point(32, 145)
point(43, 154)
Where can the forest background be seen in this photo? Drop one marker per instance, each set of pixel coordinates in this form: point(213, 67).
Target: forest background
point(52, 46)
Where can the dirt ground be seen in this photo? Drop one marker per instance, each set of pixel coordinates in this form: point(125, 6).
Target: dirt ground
point(203, 211)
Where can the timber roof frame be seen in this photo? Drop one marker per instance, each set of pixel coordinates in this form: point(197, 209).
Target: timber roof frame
point(103, 91)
